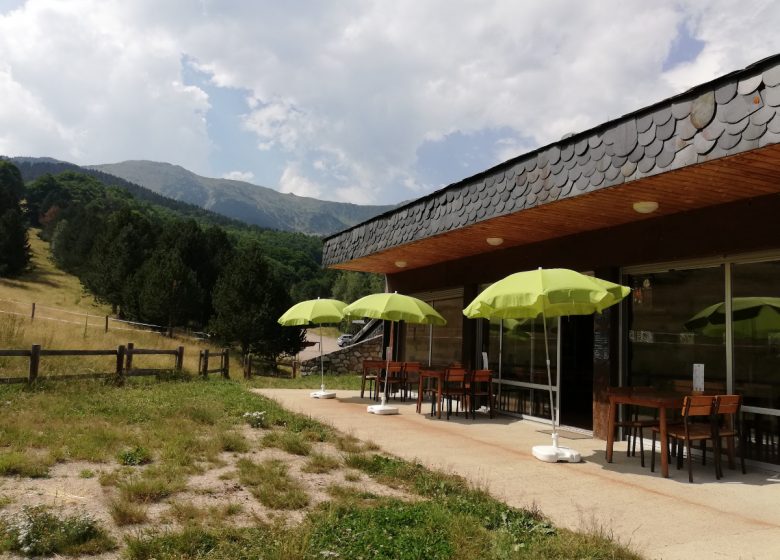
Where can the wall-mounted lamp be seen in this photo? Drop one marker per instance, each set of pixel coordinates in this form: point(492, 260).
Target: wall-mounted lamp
point(494, 241)
point(645, 206)
point(400, 264)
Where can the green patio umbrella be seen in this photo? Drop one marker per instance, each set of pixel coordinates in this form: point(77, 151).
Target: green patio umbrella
point(553, 292)
point(752, 317)
point(393, 307)
point(315, 311)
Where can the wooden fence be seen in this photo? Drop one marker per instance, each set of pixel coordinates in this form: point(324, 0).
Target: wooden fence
point(257, 366)
point(124, 354)
point(224, 363)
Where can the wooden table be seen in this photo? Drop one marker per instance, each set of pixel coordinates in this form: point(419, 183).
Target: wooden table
point(438, 376)
point(659, 400)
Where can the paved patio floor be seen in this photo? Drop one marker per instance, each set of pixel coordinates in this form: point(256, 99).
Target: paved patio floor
point(737, 517)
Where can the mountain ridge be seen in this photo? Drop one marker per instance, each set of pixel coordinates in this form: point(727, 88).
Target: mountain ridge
point(250, 203)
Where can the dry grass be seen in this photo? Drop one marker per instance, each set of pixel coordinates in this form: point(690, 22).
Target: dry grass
point(61, 306)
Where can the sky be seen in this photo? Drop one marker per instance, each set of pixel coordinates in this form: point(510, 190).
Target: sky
point(370, 102)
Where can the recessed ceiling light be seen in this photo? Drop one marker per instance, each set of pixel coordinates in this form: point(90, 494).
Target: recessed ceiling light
point(400, 264)
point(494, 241)
point(645, 206)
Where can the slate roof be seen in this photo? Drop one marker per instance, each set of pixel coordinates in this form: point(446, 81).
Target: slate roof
point(732, 114)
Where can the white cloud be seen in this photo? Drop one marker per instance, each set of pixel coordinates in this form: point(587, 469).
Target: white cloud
point(239, 176)
point(348, 91)
point(294, 182)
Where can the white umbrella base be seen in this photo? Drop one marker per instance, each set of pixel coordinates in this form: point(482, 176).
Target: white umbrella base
point(382, 409)
point(552, 454)
point(323, 394)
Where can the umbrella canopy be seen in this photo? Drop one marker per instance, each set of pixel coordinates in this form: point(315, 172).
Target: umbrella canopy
point(313, 311)
point(752, 317)
point(550, 293)
point(393, 307)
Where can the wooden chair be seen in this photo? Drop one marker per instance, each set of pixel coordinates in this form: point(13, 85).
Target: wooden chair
point(728, 424)
point(694, 406)
point(456, 387)
point(371, 372)
point(481, 388)
point(411, 377)
point(633, 423)
point(394, 377)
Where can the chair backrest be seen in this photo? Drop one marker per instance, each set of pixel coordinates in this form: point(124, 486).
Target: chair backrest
point(455, 375)
point(412, 371)
point(698, 405)
point(727, 407)
point(686, 386)
point(395, 370)
point(482, 376)
point(373, 364)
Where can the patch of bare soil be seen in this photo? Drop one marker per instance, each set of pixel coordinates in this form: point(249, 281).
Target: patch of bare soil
point(217, 487)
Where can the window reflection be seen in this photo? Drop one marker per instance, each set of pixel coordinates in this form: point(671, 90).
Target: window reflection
point(662, 345)
point(441, 344)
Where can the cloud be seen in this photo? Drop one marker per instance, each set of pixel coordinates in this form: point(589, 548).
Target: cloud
point(342, 95)
point(293, 182)
point(239, 176)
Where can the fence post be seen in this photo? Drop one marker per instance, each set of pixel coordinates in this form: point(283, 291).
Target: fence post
point(106, 323)
point(225, 363)
point(32, 313)
point(129, 360)
point(180, 358)
point(35, 361)
point(120, 362)
point(205, 371)
point(295, 366)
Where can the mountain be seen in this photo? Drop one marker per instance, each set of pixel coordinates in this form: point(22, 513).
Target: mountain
point(243, 201)
point(34, 167)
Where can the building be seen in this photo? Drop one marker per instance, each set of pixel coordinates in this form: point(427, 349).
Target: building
point(679, 200)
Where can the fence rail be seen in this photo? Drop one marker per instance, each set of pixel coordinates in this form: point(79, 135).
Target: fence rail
point(224, 363)
point(124, 362)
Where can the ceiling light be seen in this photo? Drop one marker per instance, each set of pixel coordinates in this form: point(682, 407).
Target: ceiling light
point(400, 264)
point(645, 206)
point(494, 241)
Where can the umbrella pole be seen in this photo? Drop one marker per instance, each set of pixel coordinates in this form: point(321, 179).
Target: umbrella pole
point(387, 367)
point(322, 366)
point(549, 380)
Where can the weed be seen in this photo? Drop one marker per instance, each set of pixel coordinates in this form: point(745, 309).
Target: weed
point(351, 476)
point(5, 500)
point(136, 456)
point(233, 442)
point(36, 531)
point(349, 444)
point(23, 464)
point(86, 473)
point(151, 486)
point(290, 442)
point(256, 419)
point(269, 482)
point(127, 513)
point(319, 463)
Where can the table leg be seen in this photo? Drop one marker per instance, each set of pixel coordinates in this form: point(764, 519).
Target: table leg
point(419, 394)
point(664, 445)
point(611, 430)
point(439, 382)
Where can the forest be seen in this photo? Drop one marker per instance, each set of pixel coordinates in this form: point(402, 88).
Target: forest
point(154, 264)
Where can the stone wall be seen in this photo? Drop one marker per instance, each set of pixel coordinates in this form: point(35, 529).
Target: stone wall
point(347, 360)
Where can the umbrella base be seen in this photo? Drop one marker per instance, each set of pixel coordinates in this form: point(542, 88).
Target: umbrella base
point(552, 454)
point(323, 394)
point(382, 409)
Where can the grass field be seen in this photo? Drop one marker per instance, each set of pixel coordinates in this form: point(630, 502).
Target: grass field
point(186, 468)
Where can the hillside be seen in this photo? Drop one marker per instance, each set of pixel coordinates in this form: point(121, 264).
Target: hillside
point(243, 201)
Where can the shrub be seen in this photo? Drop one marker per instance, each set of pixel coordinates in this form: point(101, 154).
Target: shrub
point(36, 531)
point(136, 456)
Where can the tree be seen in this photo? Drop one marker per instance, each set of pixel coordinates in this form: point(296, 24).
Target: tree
point(350, 286)
point(248, 299)
point(168, 291)
point(14, 244)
